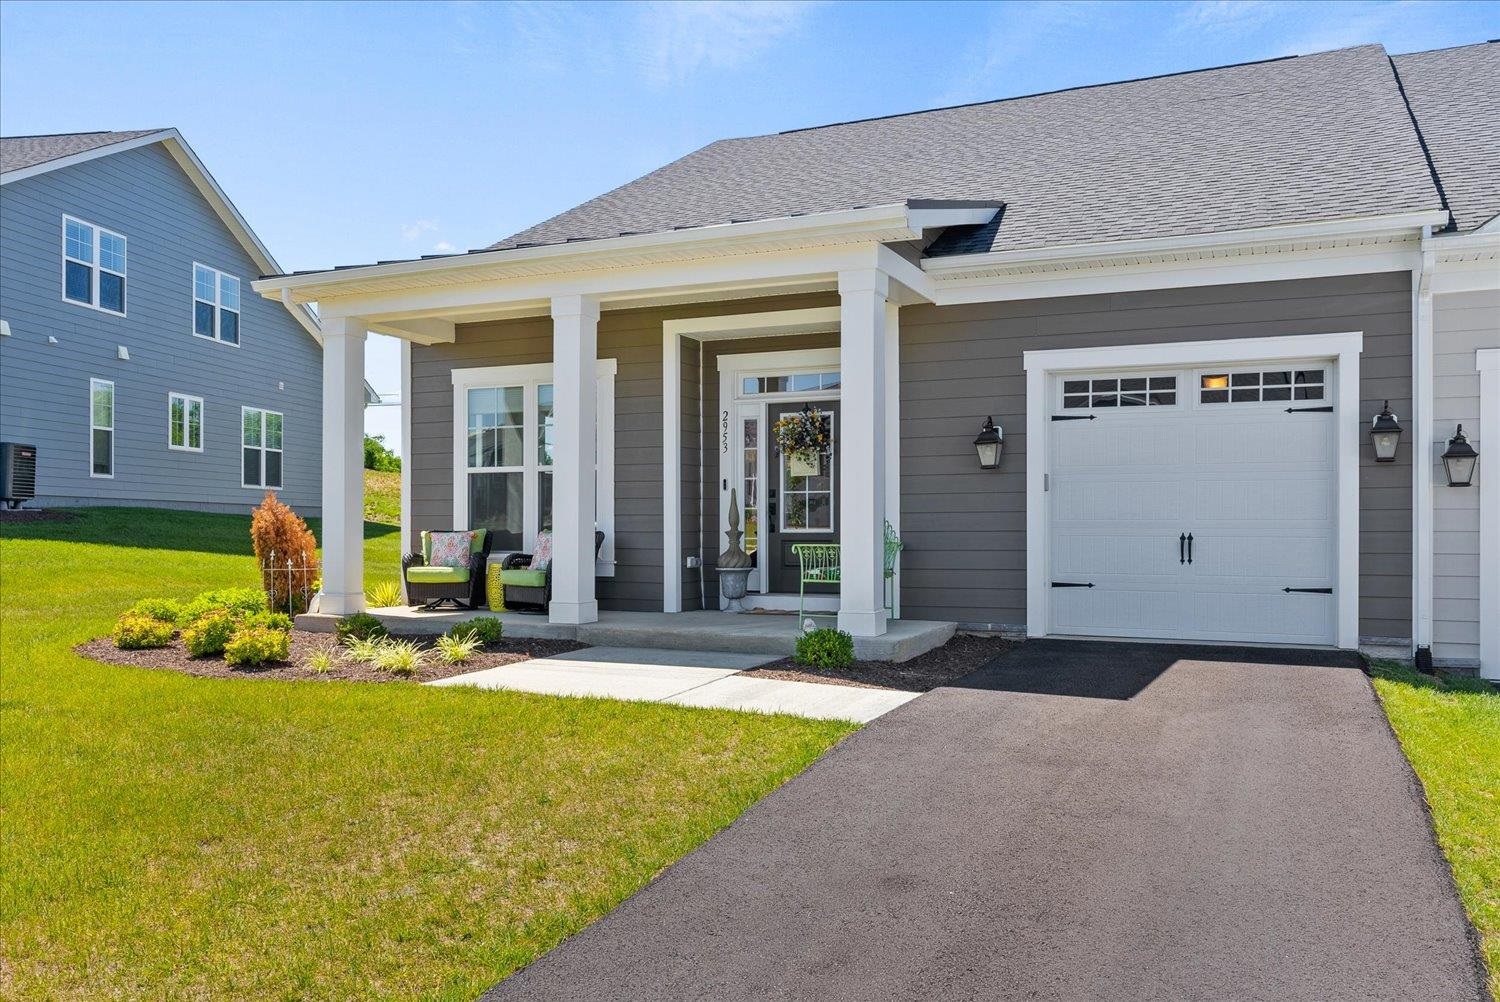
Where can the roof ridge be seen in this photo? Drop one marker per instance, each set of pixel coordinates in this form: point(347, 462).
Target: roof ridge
point(1446, 48)
point(1065, 90)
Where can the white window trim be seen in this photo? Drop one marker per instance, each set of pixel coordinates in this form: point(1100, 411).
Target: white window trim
point(96, 267)
point(93, 383)
point(193, 306)
point(188, 401)
point(1341, 349)
point(263, 411)
point(531, 376)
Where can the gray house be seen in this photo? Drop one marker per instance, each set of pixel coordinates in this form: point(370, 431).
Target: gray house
point(133, 354)
point(1185, 302)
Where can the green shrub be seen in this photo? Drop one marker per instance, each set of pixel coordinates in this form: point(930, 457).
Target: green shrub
point(267, 620)
point(488, 629)
point(136, 631)
point(457, 650)
point(400, 657)
point(255, 645)
point(825, 648)
point(209, 634)
point(239, 601)
point(165, 609)
point(360, 626)
point(384, 595)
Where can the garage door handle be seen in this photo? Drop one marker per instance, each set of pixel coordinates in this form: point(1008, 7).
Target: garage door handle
point(1182, 548)
point(1190, 547)
point(1072, 584)
point(1311, 591)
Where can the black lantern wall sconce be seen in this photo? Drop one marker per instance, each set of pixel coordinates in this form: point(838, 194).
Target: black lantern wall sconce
point(1385, 435)
point(1459, 460)
point(989, 444)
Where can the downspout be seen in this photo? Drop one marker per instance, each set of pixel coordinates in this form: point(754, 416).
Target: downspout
point(1422, 450)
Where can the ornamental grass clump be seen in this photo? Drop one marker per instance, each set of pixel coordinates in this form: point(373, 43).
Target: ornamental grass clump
point(255, 645)
point(456, 650)
point(400, 657)
point(364, 649)
point(136, 631)
point(322, 661)
point(384, 594)
point(286, 553)
point(825, 648)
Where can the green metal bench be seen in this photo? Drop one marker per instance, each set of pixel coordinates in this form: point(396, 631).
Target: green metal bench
point(820, 563)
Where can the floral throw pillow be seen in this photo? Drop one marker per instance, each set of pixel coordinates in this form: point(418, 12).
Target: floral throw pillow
point(542, 558)
point(451, 549)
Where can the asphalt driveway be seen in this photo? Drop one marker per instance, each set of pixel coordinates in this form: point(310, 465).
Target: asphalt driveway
point(1075, 821)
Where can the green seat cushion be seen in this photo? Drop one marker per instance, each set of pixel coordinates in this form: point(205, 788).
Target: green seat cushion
point(437, 575)
point(521, 577)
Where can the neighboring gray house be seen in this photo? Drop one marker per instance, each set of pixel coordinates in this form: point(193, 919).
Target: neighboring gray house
point(1184, 301)
point(134, 355)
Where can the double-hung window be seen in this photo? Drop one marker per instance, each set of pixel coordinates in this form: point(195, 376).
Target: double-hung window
point(101, 428)
point(506, 454)
point(216, 305)
point(93, 266)
point(261, 439)
point(184, 422)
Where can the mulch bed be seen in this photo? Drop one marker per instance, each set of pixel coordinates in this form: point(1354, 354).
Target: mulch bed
point(943, 666)
point(176, 658)
point(34, 515)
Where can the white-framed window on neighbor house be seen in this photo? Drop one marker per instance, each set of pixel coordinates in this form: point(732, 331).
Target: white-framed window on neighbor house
point(261, 445)
point(505, 454)
point(184, 422)
point(101, 428)
point(93, 266)
point(216, 304)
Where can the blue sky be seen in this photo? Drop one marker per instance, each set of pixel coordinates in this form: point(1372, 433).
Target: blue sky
point(349, 133)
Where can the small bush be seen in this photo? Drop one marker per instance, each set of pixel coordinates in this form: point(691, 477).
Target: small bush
point(360, 626)
point(279, 536)
point(400, 657)
point(825, 648)
point(384, 595)
point(164, 609)
point(136, 631)
point(488, 629)
point(209, 634)
point(255, 645)
point(237, 601)
point(364, 649)
point(267, 620)
point(321, 662)
point(457, 650)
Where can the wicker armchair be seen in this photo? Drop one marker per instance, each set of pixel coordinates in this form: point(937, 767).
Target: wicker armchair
point(430, 587)
point(524, 586)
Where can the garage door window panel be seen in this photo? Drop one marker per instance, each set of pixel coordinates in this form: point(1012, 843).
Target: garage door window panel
point(1119, 391)
point(1262, 386)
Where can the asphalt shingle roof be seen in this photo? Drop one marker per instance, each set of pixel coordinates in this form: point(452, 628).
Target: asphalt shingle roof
point(17, 152)
point(1291, 140)
point(1455, 96)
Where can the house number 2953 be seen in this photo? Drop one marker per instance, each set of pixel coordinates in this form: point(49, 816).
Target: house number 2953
point(724, 433)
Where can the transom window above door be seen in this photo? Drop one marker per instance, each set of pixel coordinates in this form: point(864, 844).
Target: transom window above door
point(1263, 385)
point(1120, 391)
point(795, 382)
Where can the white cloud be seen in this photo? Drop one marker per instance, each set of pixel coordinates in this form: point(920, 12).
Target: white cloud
point(1340, 26)
point(678, 39)
point(443, 247)
point(1014, 36)
point(413, 231)
point(1225, 17)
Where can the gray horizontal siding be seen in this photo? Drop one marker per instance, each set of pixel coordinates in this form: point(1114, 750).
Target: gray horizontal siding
point(145, 196)
point(964, 529)
point(1462, 324)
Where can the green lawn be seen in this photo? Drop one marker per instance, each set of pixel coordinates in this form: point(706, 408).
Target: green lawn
point(167, 836)
point(383, 497)
point(1451, 733)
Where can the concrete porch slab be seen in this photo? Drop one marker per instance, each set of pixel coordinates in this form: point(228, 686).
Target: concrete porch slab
point(749, 633)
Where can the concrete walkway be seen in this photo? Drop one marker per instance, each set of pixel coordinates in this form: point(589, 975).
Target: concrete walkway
point(686, 678)
point(1075, 821)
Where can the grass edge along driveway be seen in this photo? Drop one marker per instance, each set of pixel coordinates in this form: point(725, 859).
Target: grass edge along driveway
point(1450, 732)
point(168, 836)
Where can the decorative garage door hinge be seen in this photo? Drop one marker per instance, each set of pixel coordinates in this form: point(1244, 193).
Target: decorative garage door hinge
point(1072, 584)
point(1083, 417)
point(1302, 410)
point(1311, 591)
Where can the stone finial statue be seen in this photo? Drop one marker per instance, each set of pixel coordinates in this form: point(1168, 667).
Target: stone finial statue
point(733, 556)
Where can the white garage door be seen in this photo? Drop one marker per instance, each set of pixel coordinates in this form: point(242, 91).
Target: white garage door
point(1198, 504)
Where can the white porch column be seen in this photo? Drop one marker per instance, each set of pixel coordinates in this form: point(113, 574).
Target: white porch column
point(862, 455)
point(343, 466)
point(893, 437)
point(575, 348)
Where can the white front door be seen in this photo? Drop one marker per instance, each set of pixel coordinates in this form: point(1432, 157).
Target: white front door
point(1197, 504)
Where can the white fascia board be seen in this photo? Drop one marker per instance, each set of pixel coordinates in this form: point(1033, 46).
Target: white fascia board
point(889, 221)
point(1331, 229)
point(937, 219)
